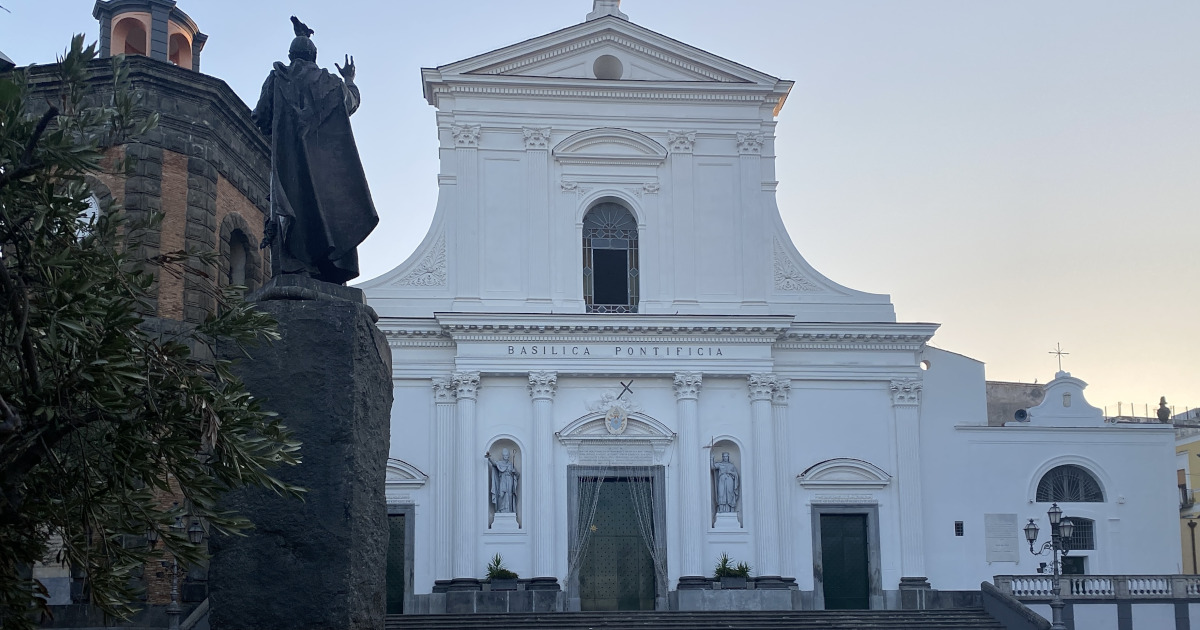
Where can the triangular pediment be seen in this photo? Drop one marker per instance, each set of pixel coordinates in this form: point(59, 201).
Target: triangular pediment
point(572, 53)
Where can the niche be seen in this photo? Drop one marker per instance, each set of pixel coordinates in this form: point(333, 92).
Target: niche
point(725, 481)
point(505, 485)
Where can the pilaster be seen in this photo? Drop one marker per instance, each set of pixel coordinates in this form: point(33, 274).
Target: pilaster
point(680, 144)
point(906, 405)
point(543, 524)
point(537, 143)
point(444, 486)
point(783, 489)
point(766, 514)
point(466, 193)
point(692, 493)
point(466, 527)
point(753, 223)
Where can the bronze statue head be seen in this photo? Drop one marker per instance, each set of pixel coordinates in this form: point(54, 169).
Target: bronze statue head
point(303, 48)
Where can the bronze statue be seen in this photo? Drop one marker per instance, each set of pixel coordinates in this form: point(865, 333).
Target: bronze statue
point(321, 207)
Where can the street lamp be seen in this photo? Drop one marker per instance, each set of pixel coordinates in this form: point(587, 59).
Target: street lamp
point(195, 534)
point(1060, 531)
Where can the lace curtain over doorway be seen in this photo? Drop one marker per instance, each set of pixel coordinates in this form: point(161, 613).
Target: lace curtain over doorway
point(630, 464)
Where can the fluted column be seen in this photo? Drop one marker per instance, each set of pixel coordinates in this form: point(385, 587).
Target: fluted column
point(906, 405)
point(541, 514)
point(444, 486)
point(466, 527)
point(783, 475)
point(689, 483)
point(766, 514)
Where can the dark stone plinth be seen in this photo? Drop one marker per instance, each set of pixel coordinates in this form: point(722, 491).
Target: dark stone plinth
point(774, 582)
point(693, 582)
point(297, 287)
point(543, 584)
point(458, 585)
point(317, 562)
point(915, 593)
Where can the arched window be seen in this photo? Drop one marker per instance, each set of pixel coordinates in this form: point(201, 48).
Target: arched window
point(610, 259)
point(179, 51)
point(239, 254)
point(1069, 484)
point(129, 37)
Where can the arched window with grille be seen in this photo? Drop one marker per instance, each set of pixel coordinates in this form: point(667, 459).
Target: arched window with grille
point(610, 259)
point(1069, 484)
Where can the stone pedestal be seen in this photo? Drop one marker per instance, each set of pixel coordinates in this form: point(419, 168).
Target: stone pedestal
point(317, 562)
point(727, 522)
point(505, 522)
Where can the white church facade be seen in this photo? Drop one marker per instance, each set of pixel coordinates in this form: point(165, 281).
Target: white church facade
point(612, 367)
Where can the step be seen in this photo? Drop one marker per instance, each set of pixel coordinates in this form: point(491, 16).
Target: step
point(955, 619)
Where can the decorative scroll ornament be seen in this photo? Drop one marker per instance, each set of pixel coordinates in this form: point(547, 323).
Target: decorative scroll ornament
point(788, 276)
point(536, 137)
point(430, 271)
point(749, 143)
point(465, 135)
point(906, 392)
point(616, 411)
point(681, 141)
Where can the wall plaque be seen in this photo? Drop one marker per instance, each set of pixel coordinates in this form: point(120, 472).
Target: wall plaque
point(1000, 534)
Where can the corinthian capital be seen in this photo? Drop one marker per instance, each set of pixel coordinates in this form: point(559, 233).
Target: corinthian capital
point(783, 389)
point(465, 135)
point(749, 143)
point(906, 392)
point(687, 385)
point(681, 141)
point(536, 137)
point(543, 384)
point(466, 384)
point(761, 386)
point(443, 390)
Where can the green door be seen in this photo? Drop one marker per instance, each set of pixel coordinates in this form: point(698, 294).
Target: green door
point(844, 561)
point(395, 565)
point(617, 571)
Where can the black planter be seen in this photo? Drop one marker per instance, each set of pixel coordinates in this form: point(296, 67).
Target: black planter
point(503, 584)
point(733, 583)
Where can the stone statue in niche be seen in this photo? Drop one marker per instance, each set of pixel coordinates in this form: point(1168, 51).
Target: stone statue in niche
point(321, 207)
point(504, 482)
point(728, 486)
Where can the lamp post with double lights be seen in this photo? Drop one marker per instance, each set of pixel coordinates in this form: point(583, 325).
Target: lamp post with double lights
point(195, 534)
point(1060, 530)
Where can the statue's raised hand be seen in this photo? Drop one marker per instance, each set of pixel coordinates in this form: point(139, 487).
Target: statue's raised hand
point(346, 71)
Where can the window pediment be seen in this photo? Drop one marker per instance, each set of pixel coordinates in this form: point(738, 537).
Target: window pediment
point(609, 145)
point(844, 473)
point(402, 475)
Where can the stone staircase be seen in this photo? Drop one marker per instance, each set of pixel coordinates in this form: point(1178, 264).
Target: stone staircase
point(956, 619)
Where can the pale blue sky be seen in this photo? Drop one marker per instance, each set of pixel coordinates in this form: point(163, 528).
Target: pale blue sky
point(1023, 172)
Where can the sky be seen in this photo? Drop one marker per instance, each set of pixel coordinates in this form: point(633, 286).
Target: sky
point(1025, 173)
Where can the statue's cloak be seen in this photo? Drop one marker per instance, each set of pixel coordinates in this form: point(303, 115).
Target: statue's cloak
point(317, 178)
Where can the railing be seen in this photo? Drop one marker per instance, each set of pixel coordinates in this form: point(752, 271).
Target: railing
point(1039, 587)
point(1187, 498)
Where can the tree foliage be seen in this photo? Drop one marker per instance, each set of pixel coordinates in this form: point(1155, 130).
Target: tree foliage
point(102, 411)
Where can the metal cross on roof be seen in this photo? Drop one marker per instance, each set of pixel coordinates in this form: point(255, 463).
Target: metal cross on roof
point(625, 388)
point(1058, 351)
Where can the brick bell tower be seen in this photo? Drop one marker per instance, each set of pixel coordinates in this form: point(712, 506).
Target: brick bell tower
point(157, 29)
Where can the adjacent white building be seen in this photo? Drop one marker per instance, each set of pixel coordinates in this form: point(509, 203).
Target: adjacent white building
point(608, 293)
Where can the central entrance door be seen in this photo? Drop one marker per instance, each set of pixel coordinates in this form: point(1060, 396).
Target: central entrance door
point(617, 570)
point(844, 561)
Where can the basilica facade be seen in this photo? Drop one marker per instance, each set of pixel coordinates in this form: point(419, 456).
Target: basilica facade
point(612, 367)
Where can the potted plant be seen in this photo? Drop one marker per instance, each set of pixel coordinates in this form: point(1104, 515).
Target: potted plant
point(731, 575)
point(500, 578)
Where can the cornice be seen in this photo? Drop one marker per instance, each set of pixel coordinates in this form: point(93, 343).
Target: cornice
point(881, 336)
point(634, 329)
point(592, 89)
